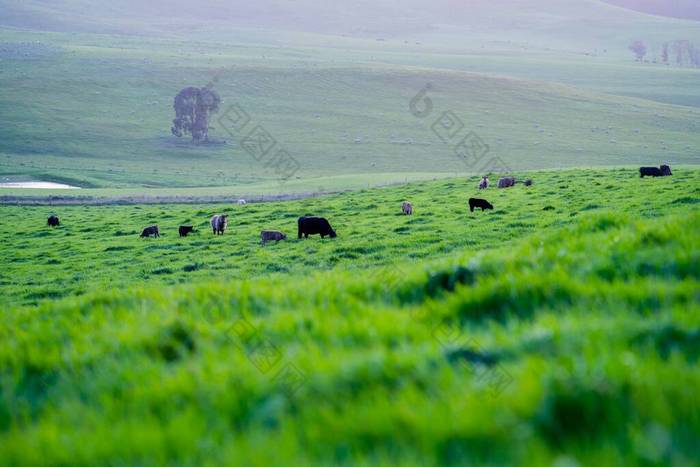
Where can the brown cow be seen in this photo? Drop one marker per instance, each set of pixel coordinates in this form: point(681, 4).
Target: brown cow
point(407, 208)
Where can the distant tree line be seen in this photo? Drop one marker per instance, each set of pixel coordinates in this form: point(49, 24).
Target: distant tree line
point(678, 52)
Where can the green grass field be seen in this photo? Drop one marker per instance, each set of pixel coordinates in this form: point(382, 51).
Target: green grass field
point(99, 246)
point(561, 327)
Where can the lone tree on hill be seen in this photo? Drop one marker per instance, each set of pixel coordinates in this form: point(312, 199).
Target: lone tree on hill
point(193, 108)
point(639, 49)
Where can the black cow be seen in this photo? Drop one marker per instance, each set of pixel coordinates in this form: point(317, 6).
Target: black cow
point(649, 172)
point(663, 171)
point(185, 229)
point(150, 231)
point(479, 203)
point(53, 221)
point(315, 225)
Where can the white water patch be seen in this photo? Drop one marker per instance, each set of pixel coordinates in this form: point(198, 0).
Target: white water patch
point(39, 184)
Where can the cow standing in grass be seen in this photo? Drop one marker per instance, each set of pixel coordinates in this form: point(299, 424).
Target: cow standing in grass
point(53, 221)
point(151, 231)
point(184, 230)
point(484, 183)
point(219, 223)
point(506, 182)
point(315, 225)
point(479, 203)
point(663, 171)
point(271, 235)
point(407, 208)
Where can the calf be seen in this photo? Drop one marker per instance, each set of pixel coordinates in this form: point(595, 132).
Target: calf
point(315, 225)
point(506, 182)
point(407, 208)
point(479, 203)
point(150, 231)
point(271, 235)
point(219, 223)
point(484, 183)
point(53, 221)
point(185, 229)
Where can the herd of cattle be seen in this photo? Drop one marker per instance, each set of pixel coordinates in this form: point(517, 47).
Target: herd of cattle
point(308, 225)
point(219, 223)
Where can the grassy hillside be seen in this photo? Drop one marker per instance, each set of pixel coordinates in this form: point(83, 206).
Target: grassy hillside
point(96, 111)
point(523, 335)
point(92, 107)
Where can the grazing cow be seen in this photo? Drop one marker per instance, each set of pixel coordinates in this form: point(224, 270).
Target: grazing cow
point(484, 183)
point(649, 172)
point(506, 182)
point(271, 235)
point(665, 171)
point(407, 208)
point(150, 231)
point(315, 225)
point(53, 221)
point(528, 182)
point(219, 223)
point(185, 229)
point(241, 202)
point(479, 203)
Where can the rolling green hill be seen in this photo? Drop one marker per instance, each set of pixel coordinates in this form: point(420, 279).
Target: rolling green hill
point(545, 84)
point(561, 327)
point(96, 111)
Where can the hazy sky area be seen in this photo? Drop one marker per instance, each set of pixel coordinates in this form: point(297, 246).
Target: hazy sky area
point(686, 9)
